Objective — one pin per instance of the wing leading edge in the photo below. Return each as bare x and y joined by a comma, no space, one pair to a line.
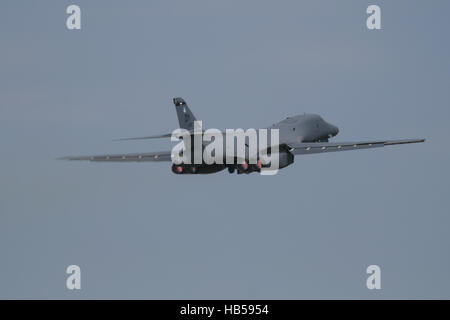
297,149
321,147
126,157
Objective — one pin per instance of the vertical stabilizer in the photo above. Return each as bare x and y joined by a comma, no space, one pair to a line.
185,116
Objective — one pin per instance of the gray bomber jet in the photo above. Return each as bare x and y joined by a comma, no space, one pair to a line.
298,135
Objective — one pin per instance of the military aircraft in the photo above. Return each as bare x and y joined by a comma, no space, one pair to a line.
298,135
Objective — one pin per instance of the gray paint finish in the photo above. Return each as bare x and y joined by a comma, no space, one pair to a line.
298,135
137,230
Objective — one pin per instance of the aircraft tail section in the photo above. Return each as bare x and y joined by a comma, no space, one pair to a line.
185,116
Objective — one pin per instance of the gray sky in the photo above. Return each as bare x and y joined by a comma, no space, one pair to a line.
139,231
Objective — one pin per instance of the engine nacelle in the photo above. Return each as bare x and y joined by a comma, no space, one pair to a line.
285,158
196,168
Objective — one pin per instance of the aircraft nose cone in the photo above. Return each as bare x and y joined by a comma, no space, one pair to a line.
335,130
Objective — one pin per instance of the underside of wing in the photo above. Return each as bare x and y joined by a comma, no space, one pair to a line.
127,157
321,147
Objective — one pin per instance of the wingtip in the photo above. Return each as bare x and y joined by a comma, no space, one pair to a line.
407,141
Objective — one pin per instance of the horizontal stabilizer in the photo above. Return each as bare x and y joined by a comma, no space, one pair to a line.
166,135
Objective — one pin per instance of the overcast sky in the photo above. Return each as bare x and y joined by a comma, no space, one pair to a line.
139,231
